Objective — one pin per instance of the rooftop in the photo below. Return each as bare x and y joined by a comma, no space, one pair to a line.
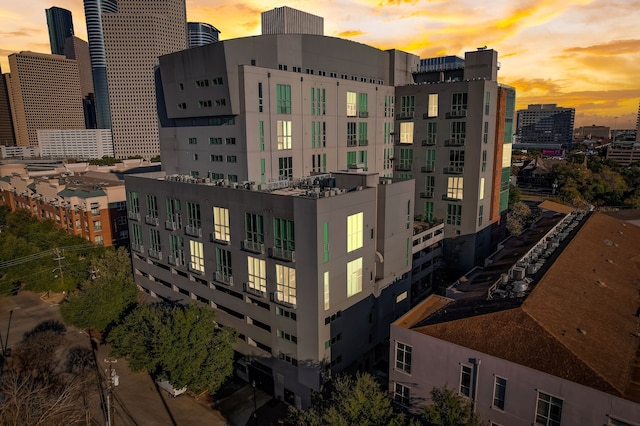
578,322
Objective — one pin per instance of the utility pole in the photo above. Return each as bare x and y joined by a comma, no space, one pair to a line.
59,258
112,380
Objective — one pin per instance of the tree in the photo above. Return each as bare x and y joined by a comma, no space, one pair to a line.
449,409
104,298
349,401
181,344
515,194
518,217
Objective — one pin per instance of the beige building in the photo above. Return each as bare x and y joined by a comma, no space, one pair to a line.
134,37
45,94
78,49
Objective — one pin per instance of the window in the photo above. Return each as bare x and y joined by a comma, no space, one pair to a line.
261,135
407,106
480,215
154,241
152,206
481,189
136,235
318,101
459,104
499,391
254,227
454,214
283,93
428,211
354,277
193,215
318,134
487,103
549,410
326,290
134,202
406,159
284,137
176,246
193,141
362,105
388,158
403,357
174,220
230,141
285,167
454,188
216,158
456,161
215,141
257,274
362,159
430,163
458,132
263,168
363,140
406,132
221,224
260,106
387,130
429,186
465,380
402,394
485,132
195,157
484,161
197,256
354,231
388,106
202,83
223,265
286,284
286,336
433,105
351,134
283,231
351,158
182,105
432,133
204,104
352,104
232,159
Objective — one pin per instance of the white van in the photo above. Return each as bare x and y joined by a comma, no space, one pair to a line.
167,387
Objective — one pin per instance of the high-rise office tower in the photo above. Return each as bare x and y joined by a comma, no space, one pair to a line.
45,94
131,59
93,10
453,136
201,33
78,49
7,137
285,20
638,124
60,25
543,125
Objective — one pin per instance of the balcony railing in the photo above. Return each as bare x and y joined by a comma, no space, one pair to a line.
224,278
450,197
428,142
253,246
454,142
427,169
175,261
453,170
352,142
151,220
195,270
461,113
404,167
284,254
426,194
405,115
137,247
156,254
213,239
133,215
194,231
363,114
170,225
363,142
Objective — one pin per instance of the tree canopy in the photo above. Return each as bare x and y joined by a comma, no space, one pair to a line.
103,298
181,344
449,409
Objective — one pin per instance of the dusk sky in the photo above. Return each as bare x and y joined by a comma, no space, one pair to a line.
575,53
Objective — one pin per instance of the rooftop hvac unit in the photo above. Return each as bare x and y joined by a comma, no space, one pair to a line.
518,273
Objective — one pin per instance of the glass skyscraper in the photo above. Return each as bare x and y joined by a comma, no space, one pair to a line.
201,33
60,26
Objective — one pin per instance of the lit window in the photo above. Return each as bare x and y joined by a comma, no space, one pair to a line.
351,104
481,190
354,277
221,224
286,284
354,231
454,188
197,256
257,274
326,291
406,132
433,105
284,134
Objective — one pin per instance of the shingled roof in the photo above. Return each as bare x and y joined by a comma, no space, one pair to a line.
581,320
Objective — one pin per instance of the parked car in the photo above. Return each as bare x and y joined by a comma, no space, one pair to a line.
166,386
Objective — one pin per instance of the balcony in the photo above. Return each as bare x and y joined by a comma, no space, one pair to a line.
283,254
194,231
170,225
133,215
428,142
363,142
277,297
213,239
151,220
451,197
461,113
224,278
454,142
406,167
247,288
406,115
427,169
453,170
253,246
363,114
175,261
137,247
156,254
427,195
352,142
196,270
426,116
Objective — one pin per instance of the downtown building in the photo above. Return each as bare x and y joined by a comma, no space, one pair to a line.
545,126
453,135
201,33
60,26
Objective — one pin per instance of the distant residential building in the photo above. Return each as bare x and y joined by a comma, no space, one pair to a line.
545,125
60,24
45,94
546,333
130,68
93,10
19,152
624,152
201,33
591,132
7,136
452,134
286,20
79,144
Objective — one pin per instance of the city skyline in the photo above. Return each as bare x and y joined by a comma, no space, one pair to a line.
583,54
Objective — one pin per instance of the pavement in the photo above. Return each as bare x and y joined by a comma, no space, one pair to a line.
136,399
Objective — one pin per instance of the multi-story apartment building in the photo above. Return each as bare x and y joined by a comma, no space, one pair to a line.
201,33
60,25
545,334
130,68
81,144
545,125
453,135
279,106
91,205
45,94
309,272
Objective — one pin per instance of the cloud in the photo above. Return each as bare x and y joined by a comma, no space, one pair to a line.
614,47
350,33
546,86
22,32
